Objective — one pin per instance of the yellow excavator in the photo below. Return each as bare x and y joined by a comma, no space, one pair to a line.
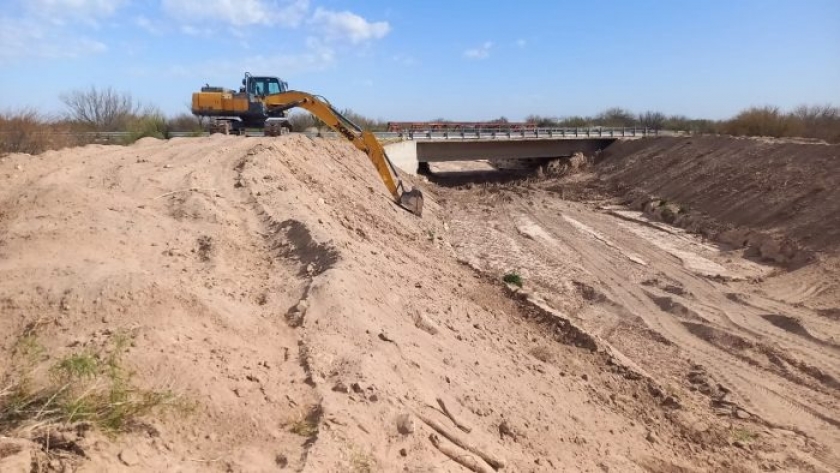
262,103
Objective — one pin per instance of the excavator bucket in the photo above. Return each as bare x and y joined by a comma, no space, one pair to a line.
412,201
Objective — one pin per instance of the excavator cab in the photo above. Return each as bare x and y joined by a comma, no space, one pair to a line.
262,86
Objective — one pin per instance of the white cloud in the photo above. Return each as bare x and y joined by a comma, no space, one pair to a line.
347,25
86,10
404,59
521,43
316,57
22,38
481,52
288,13
194,31
147,24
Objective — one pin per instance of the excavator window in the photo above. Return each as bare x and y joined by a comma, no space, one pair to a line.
274,86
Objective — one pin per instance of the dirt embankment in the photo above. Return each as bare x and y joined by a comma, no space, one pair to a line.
308,323
780,199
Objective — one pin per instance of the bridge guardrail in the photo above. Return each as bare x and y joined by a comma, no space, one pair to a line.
536,133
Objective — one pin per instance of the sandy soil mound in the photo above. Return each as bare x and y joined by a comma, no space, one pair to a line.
776,197
304,322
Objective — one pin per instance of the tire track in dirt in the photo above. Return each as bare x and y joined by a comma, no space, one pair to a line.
821,366
715,361
809,319
719,364
614,283
617,280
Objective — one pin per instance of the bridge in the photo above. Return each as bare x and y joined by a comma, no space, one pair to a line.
488,133
530,147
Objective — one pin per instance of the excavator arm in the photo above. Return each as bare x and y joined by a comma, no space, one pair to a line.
411,200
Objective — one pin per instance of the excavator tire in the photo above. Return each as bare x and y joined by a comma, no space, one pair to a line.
271,129
276,129
220,126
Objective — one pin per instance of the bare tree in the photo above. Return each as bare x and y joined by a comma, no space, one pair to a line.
101,109
541,121
185,122
652,120
302,121
616,116
576,121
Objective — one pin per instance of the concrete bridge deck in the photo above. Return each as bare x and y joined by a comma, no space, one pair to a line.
413,155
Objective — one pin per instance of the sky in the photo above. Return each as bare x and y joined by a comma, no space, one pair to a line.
421,60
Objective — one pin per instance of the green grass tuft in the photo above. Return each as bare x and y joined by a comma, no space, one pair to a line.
513,278
85,386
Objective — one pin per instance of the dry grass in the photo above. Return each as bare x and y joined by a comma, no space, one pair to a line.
360,461
26,131
744,435
304,428
818,122
307,423
93,387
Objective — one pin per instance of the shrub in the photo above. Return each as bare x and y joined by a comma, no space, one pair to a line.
759,121
575,122
185,122
616,116
26,131
152,123
513,278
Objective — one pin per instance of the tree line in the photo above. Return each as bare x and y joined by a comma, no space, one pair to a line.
806,121
106,109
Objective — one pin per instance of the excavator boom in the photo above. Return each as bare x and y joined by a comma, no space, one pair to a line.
411,200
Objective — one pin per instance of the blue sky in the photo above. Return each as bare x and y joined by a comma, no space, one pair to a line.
418,60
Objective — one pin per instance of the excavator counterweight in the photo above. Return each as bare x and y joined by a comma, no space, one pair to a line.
262,103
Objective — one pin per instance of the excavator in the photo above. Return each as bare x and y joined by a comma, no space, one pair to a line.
262,103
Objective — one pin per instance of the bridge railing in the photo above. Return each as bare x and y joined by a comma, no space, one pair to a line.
500,134
532,133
